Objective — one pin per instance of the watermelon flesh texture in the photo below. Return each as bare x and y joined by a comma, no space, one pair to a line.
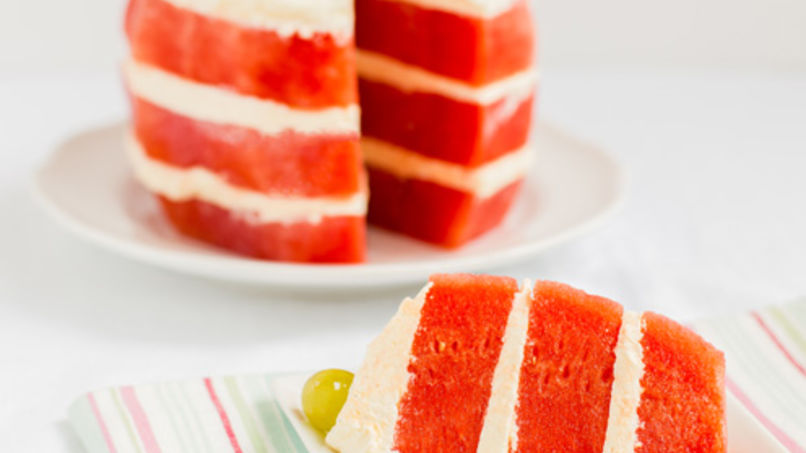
454,354
473,50
289,164
443,128
683,404
332,240
432,212
303,73
567,371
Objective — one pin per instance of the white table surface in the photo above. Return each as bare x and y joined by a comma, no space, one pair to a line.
715,223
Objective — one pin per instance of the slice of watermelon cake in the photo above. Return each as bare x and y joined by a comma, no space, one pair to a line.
246,123
475,364
447,89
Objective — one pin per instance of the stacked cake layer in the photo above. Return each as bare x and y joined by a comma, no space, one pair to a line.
475,364
447,88
246,123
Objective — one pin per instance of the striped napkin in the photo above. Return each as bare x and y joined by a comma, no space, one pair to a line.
239,414
766,368
765,350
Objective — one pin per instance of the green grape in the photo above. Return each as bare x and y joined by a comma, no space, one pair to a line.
323,397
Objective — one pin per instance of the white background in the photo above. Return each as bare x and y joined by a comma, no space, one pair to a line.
738,33
704,102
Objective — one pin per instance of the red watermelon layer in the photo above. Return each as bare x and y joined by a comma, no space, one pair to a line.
304,73
475,50
290,163
333,240
453,358
683,405
444,128
567,372
434,213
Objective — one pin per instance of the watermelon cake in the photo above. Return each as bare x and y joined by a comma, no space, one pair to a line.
447,88
246,119
246,123
477,364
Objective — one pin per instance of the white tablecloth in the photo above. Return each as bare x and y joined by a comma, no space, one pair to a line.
715,223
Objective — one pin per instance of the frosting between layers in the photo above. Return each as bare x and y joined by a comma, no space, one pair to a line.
217,105
405,77
287,18
623,421
368,419
499,431
197,183
484,9
484,181
366,423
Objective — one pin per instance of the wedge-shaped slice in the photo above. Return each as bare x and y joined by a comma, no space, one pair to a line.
475,365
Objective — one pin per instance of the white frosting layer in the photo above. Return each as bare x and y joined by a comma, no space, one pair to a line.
500,428
366,423
405,77
475,8
216,105
286,17
484,181
368,420
623,422
178,184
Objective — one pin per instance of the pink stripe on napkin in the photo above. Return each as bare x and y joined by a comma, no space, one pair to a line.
223,415
785,440
140,420
101,423
778,343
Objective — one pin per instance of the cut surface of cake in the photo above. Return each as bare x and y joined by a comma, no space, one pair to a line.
246,119
568,370
447,89
477,364
246,123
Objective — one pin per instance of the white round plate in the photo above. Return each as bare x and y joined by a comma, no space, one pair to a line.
87,186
